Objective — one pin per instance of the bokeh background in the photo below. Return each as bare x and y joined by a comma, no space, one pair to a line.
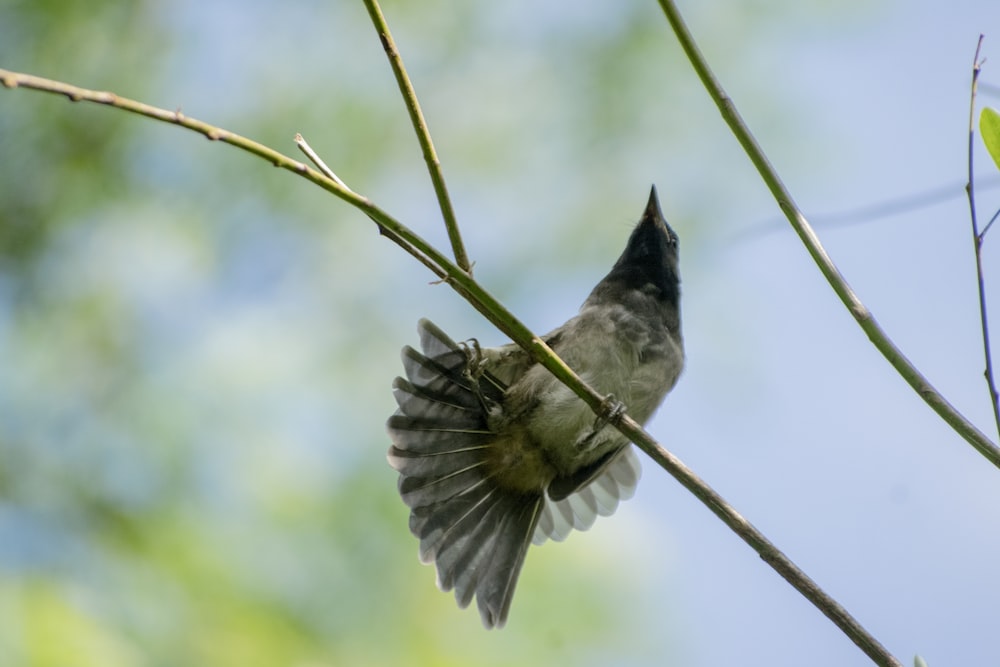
196,350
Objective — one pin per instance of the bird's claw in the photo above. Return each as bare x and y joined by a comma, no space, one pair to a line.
476,364
475,367
611,412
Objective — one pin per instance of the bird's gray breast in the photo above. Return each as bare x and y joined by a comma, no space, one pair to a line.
617,351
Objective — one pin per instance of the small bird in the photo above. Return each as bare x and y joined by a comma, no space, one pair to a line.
494,453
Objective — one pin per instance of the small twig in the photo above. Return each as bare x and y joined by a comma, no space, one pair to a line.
388,233
304,146
989,224
423,134
977,239
854,305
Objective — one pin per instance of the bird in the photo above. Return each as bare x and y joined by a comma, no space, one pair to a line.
494,453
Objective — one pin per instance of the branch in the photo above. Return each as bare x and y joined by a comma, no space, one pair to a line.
385,231
422,132
505,321
977,239
858,310
398,233
768,552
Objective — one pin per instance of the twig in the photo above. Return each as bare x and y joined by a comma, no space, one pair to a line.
854,305
989,224
385,231
423,134
505,321
304,146
977,239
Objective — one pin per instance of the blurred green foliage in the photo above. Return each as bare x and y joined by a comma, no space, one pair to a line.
197,350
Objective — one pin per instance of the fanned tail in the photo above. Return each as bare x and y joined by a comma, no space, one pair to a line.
474,531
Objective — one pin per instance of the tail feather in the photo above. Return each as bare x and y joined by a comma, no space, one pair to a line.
466,574
434,524
435,463
442,376
465,546
423,491
412,438
433,341
442,407
475,532
496,591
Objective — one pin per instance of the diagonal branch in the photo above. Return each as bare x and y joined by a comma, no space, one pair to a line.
422,132
505,321
768,552
401,235
858,310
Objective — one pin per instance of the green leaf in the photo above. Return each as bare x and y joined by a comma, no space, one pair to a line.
989,127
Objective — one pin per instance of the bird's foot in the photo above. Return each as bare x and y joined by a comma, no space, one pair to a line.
612,410
475,368
611,413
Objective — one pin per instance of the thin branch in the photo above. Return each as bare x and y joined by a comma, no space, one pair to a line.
854,305
977,239
422,132
388,233
768,552
989,224
505,321
406,239
400,234
304,146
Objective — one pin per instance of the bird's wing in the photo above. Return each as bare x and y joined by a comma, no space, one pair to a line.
579,510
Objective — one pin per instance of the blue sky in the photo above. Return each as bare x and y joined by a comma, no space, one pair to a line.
785,407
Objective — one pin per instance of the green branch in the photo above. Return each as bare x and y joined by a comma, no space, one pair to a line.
858,310
394,230
422,132
505,321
